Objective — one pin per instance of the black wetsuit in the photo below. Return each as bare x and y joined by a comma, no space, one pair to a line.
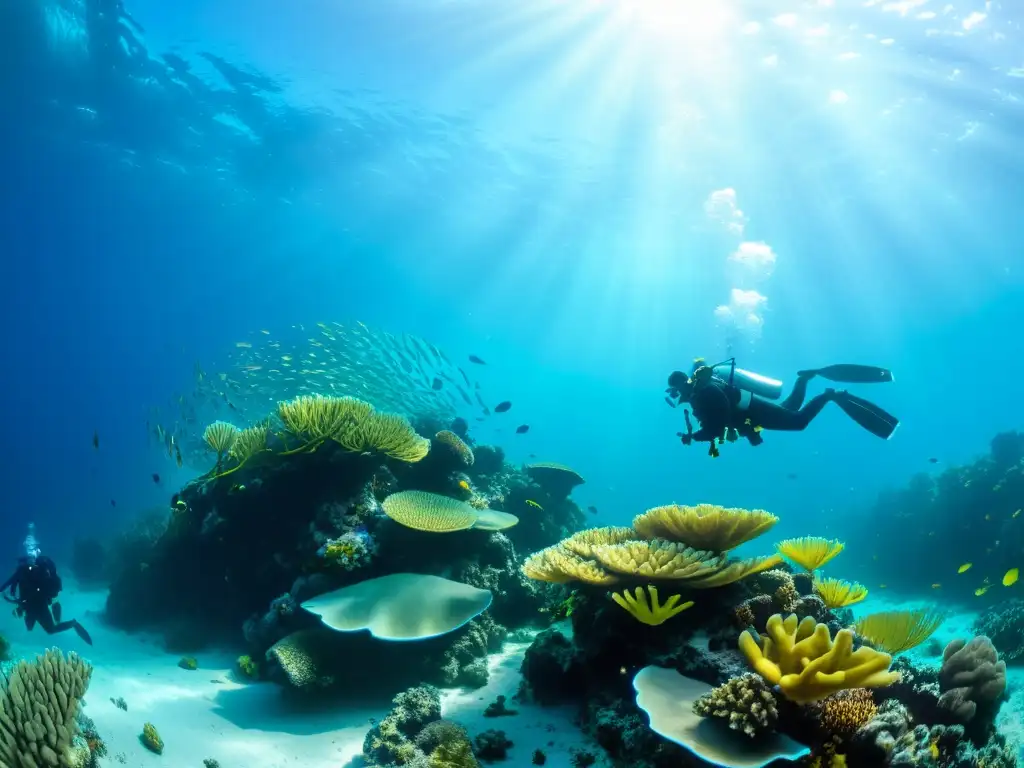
35,584
718,406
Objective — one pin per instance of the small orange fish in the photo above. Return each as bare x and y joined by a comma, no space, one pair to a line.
464,485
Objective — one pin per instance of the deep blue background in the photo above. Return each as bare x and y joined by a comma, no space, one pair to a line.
498,182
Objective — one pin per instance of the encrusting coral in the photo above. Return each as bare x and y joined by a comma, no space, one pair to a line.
651,613
898,631
808,665
746,702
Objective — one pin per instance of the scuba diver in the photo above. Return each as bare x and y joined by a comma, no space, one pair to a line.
34,585
730,402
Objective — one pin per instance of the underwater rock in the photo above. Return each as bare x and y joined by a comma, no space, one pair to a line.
875,740
972,681
492,745
551,672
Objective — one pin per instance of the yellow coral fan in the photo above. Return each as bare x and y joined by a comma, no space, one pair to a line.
836,593
807,665
220,436
735,570
898,631
845,712
457,445
705,526
810,552
582,543
559,566
651,613
315,418
353,424
389,434
250,441
429,512
658,559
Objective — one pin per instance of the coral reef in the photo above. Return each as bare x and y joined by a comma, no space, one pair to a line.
287,525
923,533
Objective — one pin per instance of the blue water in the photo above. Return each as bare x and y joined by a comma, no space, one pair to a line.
526,182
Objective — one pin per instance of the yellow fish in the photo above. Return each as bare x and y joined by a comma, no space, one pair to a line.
964,568
982,590
533,503
936,586
463,485
1010,577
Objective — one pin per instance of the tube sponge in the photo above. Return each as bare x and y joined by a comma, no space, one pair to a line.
39,703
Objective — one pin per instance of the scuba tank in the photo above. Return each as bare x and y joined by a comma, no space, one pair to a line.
748,381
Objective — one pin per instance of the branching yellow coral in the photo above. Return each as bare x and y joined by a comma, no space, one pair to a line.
705,526
836,593
807,665
898,631
651,613
457,446
810,552
220,436
559,566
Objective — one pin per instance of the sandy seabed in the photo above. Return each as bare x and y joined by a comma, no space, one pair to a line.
207,713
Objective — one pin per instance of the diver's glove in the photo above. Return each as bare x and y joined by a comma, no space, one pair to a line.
685,438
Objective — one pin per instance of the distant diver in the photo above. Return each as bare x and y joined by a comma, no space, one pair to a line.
34,585
730,402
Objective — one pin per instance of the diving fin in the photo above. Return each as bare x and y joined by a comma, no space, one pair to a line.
850,373
80,631
874,419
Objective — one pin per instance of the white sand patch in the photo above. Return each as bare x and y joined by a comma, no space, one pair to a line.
550,729
207,713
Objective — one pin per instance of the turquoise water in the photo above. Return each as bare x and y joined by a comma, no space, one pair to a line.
585,196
